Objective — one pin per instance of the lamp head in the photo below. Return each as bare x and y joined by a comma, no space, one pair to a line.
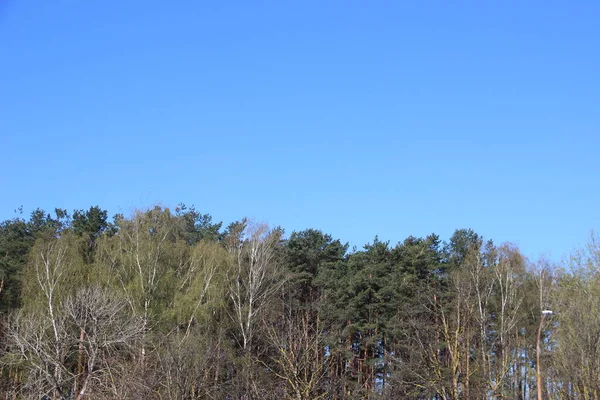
547,312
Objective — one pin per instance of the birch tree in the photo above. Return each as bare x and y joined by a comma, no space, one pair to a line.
63,338
140,261
253,277
576,354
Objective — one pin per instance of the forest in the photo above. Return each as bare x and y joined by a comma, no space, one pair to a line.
165,303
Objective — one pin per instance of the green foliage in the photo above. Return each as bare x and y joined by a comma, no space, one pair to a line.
196,226
243,312
54,270
576,335
202,286
142,260
89,225
15,242
308,254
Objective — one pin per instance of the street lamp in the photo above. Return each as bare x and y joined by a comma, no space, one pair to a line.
539,368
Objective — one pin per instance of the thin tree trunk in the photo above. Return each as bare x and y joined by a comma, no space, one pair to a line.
80,367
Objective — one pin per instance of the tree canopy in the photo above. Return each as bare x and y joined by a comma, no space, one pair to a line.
165,303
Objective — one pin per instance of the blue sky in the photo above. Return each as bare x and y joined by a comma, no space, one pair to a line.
357,118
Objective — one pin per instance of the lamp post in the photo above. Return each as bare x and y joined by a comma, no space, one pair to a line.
539,368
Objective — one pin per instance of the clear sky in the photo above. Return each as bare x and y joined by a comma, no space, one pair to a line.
359,118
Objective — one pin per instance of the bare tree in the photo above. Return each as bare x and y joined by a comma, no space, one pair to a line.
40,329
109,331
297,358
507,272
253,278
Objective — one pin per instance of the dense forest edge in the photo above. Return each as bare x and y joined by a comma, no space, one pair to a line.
167,304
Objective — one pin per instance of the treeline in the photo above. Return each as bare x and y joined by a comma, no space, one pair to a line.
167,304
